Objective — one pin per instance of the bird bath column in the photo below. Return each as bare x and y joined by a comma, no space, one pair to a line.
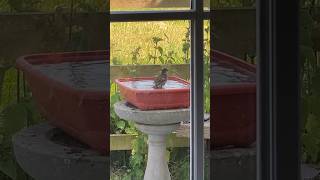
157,124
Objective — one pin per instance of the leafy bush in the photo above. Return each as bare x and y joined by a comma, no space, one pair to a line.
14,115
310,80
52,5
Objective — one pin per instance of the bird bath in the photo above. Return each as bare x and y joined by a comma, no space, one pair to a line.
157,124
141,93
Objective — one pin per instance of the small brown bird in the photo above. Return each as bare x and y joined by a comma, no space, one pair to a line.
161,80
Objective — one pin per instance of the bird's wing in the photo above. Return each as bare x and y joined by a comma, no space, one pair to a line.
156,78
163,78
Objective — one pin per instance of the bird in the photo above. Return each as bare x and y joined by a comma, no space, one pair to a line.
161,79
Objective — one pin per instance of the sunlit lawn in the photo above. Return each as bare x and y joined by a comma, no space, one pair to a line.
126,37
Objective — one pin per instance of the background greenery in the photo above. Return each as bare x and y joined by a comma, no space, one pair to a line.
310,79
18,6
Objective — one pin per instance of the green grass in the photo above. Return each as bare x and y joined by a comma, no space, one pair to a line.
126,37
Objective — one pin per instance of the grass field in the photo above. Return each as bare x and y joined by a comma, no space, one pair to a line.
126,37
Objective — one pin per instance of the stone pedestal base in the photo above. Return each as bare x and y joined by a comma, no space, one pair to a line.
157,166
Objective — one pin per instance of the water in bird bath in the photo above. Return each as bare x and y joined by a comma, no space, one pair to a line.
148,84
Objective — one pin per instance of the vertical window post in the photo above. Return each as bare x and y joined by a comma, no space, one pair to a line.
278,138
197,107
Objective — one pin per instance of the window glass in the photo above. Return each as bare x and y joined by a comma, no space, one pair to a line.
150,64
233,90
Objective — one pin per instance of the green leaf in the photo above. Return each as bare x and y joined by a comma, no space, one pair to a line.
305,26
161,60
33,115
2,73
14,118
167,155
139,173
311,145
160,49
316,85
114,98
128,177
121,124
9,88
156,39
138,158
307,53
313,125
313,103
311,139
304,111
9,168
130,131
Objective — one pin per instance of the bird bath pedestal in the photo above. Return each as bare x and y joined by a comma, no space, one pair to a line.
157,124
